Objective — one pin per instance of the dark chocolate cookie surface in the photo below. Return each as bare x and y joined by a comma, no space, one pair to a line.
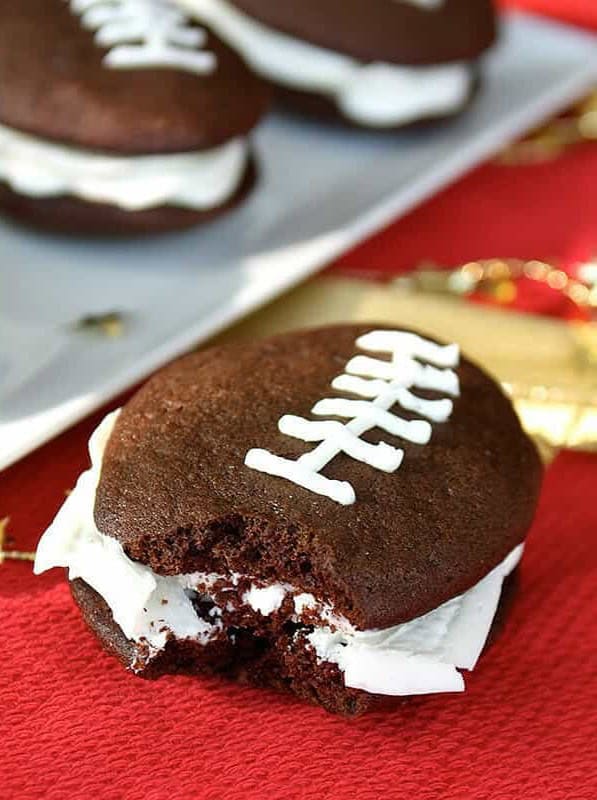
175,491
396,31
54,85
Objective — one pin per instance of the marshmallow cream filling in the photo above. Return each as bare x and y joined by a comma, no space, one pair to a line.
376,94
199,180
418,657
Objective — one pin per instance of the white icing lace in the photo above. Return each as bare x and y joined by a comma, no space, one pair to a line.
144,34
383,384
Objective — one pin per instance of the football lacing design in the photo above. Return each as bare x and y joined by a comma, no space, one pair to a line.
382,385
144,34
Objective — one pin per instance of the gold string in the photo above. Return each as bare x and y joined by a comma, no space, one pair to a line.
496,277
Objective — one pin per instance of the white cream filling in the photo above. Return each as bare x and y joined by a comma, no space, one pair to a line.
421,656
377,94
418,657
266,599
199,180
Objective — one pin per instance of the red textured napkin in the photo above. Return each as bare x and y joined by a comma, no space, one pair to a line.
73,724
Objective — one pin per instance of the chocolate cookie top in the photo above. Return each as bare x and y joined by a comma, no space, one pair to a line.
176,492
125,77
396,31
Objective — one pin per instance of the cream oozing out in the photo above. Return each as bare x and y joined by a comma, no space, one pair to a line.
418,657
376,95
147,607
198,180
425,655
142,34
383,384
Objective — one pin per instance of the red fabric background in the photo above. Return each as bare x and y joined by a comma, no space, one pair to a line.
544,211
73,724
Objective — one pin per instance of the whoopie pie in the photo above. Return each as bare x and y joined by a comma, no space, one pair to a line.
121,116
331,512
380,64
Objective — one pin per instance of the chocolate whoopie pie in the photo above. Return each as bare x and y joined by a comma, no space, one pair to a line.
120,116
372,63
332,512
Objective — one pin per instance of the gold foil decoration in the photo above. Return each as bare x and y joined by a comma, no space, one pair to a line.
496,277
556,136
549,367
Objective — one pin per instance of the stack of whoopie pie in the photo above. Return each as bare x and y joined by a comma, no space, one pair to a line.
332,512
120,116
376,64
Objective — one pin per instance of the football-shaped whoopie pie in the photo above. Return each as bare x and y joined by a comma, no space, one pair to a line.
333,512
120,116
372,63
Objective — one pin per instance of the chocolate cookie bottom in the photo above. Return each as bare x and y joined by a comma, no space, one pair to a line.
266,655
66,214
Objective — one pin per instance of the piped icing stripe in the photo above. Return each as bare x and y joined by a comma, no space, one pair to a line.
384,384
143,34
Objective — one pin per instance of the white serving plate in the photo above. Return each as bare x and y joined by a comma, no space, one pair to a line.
322,191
